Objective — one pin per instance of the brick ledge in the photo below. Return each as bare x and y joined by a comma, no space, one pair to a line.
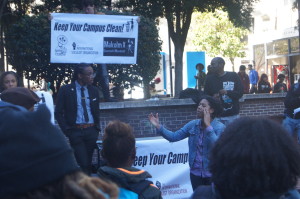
177,102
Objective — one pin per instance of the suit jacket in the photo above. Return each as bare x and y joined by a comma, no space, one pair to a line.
66,106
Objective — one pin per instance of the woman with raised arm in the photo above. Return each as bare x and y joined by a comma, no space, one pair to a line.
202,134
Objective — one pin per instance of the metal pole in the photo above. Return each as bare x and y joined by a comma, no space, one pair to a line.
170,63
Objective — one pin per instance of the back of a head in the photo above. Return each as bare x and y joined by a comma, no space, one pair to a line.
118,144
33,151
242,67
280,76
252,157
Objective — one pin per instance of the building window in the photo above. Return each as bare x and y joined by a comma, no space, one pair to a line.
295,45
259,57
279,47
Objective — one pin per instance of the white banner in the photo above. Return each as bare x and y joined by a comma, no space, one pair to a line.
46,98
88,38
168,164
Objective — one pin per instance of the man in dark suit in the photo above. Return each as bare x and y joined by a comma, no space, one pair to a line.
77,113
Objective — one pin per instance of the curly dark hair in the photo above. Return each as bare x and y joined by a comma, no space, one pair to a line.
118,144
201,66
214,104
254,156
3,75
79,69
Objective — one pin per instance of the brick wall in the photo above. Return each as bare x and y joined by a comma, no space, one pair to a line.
172,117
262,107
174,113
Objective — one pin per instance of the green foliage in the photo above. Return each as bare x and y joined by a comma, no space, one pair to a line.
148,58
68,6
217,35
28,51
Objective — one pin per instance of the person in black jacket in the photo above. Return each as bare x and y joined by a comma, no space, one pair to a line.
37,162
280,87
77,113
264,85
292,110
226,87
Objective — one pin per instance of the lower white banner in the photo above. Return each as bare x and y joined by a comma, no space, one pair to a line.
168,164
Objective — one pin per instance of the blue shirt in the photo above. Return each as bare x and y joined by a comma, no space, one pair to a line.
80,117
253,76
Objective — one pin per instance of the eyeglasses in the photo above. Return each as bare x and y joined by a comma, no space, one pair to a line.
92,75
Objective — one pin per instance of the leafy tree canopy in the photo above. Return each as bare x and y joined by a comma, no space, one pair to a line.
148,58
215,34
178,14
28,51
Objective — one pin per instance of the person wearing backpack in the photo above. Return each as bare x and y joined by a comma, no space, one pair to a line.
119,151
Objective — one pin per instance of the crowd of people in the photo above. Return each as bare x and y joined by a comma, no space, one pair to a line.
252,83
229,156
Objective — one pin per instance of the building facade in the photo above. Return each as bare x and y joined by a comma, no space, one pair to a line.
274,40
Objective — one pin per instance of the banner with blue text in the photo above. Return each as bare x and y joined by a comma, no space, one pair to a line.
168,164
88,38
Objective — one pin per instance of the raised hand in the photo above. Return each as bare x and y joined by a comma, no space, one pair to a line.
207,117
154,120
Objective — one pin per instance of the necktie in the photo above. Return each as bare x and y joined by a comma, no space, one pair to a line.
86,117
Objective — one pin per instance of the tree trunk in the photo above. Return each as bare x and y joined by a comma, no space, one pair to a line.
20,76
146,90
2,67
232,62
178,54
178,26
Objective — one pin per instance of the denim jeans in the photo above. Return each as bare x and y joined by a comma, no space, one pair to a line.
292,126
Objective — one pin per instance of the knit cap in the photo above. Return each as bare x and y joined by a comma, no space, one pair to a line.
20,96
33,152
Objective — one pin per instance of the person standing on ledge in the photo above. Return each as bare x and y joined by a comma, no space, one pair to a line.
200,77
253,76
101,74
244,78
280,87
292,111
77,113
226,87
